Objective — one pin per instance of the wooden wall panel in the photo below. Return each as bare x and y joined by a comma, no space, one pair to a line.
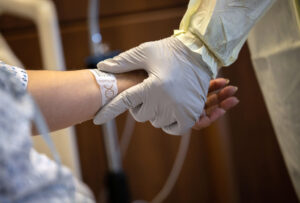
70,11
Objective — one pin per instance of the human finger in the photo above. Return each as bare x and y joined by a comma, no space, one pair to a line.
215,98
217,84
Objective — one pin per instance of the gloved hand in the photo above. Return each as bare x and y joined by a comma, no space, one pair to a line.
172,97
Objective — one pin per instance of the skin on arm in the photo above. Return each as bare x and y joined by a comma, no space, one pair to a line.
70,97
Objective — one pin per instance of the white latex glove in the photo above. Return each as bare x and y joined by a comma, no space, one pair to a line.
172,97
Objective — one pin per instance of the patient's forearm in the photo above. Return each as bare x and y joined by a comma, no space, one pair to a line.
70,97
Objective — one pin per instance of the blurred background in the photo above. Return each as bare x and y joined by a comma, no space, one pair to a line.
237,159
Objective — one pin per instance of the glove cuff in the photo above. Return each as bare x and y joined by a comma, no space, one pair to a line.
197,46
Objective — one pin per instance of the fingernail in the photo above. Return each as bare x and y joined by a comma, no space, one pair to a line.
235,88
227,81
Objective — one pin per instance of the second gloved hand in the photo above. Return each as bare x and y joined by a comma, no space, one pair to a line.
172,97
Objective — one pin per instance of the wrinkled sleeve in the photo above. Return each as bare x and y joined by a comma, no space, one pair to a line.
217,29
18,73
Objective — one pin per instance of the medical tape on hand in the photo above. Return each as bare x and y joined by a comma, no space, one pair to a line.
108,85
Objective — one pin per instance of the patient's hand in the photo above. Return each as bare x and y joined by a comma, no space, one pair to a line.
220,96
220,99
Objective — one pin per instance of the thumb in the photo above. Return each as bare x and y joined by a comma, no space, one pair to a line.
130,98
130,60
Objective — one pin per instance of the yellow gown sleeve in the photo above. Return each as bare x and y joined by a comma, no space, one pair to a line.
217,29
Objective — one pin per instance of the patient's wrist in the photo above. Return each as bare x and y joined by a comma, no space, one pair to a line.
127,80
113,84
108,85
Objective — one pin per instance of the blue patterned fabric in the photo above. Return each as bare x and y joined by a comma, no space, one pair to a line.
25,175
18,73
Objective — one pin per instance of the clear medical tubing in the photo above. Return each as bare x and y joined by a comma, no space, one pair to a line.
275,50
43,130
175,171
127,134
172,178
96,45
93,22
109,129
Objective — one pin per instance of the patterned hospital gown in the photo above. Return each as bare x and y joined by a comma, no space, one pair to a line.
25,175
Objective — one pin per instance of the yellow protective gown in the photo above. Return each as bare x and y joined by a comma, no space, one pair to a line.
275,50
217,29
